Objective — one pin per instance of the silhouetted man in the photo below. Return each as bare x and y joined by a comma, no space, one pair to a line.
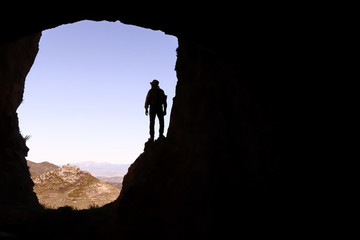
156,99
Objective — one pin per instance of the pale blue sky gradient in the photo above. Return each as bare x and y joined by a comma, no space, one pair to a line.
84,96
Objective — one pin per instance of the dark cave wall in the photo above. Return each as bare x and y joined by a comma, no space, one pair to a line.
16,59
224,133
218,171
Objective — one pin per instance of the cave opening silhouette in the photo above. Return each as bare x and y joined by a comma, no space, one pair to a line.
219,172
104,70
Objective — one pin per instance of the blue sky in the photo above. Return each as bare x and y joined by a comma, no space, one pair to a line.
84,96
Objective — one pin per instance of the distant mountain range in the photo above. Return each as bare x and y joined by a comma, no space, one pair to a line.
116,181
103,169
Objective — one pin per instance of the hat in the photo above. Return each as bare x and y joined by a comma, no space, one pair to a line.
156,82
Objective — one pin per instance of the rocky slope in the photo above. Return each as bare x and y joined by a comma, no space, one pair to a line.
69,186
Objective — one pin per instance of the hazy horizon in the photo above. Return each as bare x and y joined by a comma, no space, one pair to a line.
84,95
84,162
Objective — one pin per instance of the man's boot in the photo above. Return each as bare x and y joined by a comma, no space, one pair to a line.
161,136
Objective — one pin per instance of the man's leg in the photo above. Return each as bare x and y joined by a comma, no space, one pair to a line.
152,124
160,115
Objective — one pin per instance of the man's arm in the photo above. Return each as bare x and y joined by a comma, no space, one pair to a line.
147,104
165,104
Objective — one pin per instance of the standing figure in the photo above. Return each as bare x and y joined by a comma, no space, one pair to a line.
156,99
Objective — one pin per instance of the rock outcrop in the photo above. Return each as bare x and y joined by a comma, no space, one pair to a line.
69,186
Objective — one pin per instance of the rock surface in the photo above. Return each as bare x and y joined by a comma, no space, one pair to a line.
69,186
16,59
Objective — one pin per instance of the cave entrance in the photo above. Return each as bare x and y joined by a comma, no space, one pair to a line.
84,96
